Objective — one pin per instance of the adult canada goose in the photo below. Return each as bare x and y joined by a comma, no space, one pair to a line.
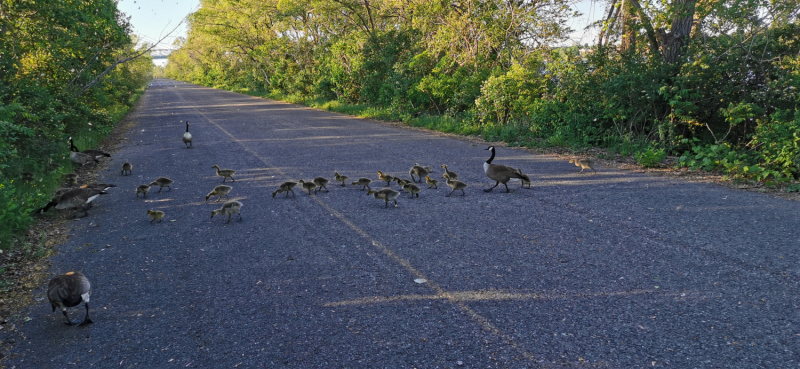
81,158
363,182
142,189
155,215
126,167
225,173
584,164
162,182
525,179
385,177
221,190
432,183
412,189
285,187
450,173
229,208
73,199
387,194
499,173
94,154
340,178
455,185
69,290
187,137
308,185
321,182
420,171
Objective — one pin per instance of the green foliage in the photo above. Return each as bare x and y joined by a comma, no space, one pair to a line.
58,78
651,157
726,97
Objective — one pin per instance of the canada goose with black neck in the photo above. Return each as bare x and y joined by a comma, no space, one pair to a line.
187,137
70,290
499,173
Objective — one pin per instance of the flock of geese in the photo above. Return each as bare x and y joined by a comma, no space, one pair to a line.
73,288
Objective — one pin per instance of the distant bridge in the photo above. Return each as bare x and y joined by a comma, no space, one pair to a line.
160,53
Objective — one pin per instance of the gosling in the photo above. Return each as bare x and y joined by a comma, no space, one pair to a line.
386,178
126,168
412,189
364,182
221,190
340,178
308,185
229,208
71,179
225,173
142,189
321,182
69,290
285,187
450,173
432,183
455,185
420,171
584,164
155,215
162,182
387,194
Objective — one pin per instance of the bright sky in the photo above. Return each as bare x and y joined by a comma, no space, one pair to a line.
154,19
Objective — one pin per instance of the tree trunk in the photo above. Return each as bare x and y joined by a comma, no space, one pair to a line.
672,43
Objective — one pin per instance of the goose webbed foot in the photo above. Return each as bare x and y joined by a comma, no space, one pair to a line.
86,319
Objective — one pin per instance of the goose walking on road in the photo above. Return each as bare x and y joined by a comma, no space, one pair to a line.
70,290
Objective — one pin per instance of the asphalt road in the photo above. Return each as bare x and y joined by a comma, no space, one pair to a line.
617,270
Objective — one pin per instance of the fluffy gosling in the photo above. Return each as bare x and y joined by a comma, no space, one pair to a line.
224,173
432,183
126,168
386,178
412,189
584,164
321,182
155,215
386,194
285,187
308,185
340,178
363,182
450,173
420,171
455,185
221,190
162,182
142,189
229,208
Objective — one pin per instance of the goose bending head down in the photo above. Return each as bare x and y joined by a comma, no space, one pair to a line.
221,190
499,173
187,137
229,208
285,187
70,290
162,182
386,194
74,199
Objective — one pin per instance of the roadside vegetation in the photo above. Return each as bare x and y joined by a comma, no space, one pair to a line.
714,83
60,76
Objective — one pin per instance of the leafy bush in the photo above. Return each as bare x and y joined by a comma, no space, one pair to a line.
651,157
